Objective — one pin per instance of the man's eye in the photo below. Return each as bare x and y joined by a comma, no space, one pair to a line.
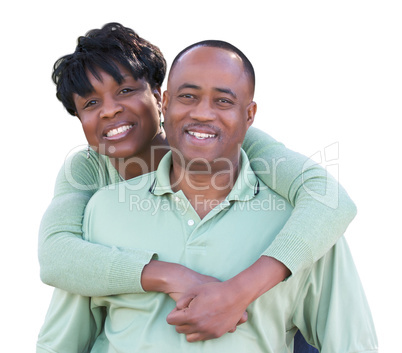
225,101
186,96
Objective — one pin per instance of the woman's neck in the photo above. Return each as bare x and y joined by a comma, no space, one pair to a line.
144,162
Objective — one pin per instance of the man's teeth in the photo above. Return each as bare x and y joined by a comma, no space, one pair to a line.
119,130
200,135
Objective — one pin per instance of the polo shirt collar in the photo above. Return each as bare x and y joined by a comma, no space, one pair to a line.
247,184
245,188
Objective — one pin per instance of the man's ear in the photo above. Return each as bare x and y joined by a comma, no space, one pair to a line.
165,102
251,111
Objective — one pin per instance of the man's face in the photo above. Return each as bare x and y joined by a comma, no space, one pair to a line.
208,105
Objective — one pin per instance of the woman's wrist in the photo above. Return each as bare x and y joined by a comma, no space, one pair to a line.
168,277
159,276
259,278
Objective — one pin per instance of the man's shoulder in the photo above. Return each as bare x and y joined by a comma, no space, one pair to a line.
122,190
269,200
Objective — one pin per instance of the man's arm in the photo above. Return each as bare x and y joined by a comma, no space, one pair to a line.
332,312
70,326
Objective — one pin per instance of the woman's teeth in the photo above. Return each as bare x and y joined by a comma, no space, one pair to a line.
119,130
200,135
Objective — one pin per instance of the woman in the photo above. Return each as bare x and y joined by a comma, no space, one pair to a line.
112,84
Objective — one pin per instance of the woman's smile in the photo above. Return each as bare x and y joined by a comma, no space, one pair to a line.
118,132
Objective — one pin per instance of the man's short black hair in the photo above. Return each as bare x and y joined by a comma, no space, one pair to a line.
248,67
104,49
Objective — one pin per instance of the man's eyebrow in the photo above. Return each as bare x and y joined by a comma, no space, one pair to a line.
217,89
188,85
226,90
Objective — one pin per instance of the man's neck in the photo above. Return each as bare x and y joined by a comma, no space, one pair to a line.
205,189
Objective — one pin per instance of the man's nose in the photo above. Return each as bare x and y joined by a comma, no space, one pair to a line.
203,111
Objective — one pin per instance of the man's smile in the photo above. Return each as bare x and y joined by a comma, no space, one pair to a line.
201,135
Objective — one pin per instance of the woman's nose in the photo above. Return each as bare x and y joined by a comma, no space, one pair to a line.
110,107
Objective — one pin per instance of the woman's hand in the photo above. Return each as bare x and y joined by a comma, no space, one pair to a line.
171,278
205,308
208,311
185,280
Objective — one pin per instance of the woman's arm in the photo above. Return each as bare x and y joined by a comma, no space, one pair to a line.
66,260
322,208
322,212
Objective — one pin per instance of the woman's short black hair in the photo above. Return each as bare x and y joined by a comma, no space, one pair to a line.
102,49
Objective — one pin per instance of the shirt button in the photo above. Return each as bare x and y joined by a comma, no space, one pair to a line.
177,199
190,222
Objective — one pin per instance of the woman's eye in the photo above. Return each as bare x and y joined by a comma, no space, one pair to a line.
90,103
126,90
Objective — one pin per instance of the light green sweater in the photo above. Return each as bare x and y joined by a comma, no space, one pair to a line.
70,263
326,301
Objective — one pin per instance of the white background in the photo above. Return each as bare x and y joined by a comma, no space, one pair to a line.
327,72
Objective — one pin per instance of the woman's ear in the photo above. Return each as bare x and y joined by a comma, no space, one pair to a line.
157,92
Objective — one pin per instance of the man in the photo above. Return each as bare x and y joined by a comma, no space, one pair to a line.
197,210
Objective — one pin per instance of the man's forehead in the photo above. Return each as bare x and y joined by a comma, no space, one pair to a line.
205,54
204,62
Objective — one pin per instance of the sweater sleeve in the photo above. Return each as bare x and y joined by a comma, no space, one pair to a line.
322,208
66,260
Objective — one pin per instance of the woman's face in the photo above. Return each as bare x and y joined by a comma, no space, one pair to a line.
119,120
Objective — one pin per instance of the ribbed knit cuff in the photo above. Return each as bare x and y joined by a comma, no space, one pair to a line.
292,251
125,272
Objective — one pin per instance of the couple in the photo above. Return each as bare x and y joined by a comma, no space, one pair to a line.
212,262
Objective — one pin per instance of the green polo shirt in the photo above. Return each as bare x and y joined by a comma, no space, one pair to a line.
326,302
144,213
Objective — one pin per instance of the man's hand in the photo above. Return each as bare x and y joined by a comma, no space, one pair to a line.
208,311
